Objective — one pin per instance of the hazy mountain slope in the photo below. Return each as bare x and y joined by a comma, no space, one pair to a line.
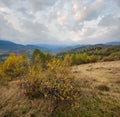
54,49
10,46
113,43
99,49
13,47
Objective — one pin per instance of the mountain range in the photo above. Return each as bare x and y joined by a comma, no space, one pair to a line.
13,47
8,46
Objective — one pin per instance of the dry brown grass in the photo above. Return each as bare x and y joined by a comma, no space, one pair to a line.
94,100
13,103
100,75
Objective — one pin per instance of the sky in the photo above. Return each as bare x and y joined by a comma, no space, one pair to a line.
60,21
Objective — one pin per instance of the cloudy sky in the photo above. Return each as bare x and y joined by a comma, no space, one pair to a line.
60,21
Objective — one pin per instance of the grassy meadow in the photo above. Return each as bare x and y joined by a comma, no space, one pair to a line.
47,86
100,95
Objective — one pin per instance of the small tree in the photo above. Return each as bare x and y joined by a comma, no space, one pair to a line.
37,56
40,57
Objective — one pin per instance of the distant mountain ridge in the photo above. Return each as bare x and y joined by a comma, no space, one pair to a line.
10,46
113,43
108,46
13,47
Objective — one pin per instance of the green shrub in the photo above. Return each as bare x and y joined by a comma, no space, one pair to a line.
116,55
80,58
40,57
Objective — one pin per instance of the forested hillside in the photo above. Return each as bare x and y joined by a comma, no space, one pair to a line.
91,54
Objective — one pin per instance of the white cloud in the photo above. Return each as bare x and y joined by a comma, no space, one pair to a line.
60,21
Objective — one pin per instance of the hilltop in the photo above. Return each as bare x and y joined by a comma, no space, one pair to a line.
100,95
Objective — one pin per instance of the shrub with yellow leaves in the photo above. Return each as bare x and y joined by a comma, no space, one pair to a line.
3,78
56,82
15,65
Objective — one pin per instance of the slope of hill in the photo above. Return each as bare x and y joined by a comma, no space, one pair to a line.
100,95
10,46
7,47
113,43
99,49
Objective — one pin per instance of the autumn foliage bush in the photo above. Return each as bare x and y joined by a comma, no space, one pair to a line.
56,82
15,65
3,78
43,76
80,58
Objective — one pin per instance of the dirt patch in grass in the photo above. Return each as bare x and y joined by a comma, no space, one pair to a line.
103,87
